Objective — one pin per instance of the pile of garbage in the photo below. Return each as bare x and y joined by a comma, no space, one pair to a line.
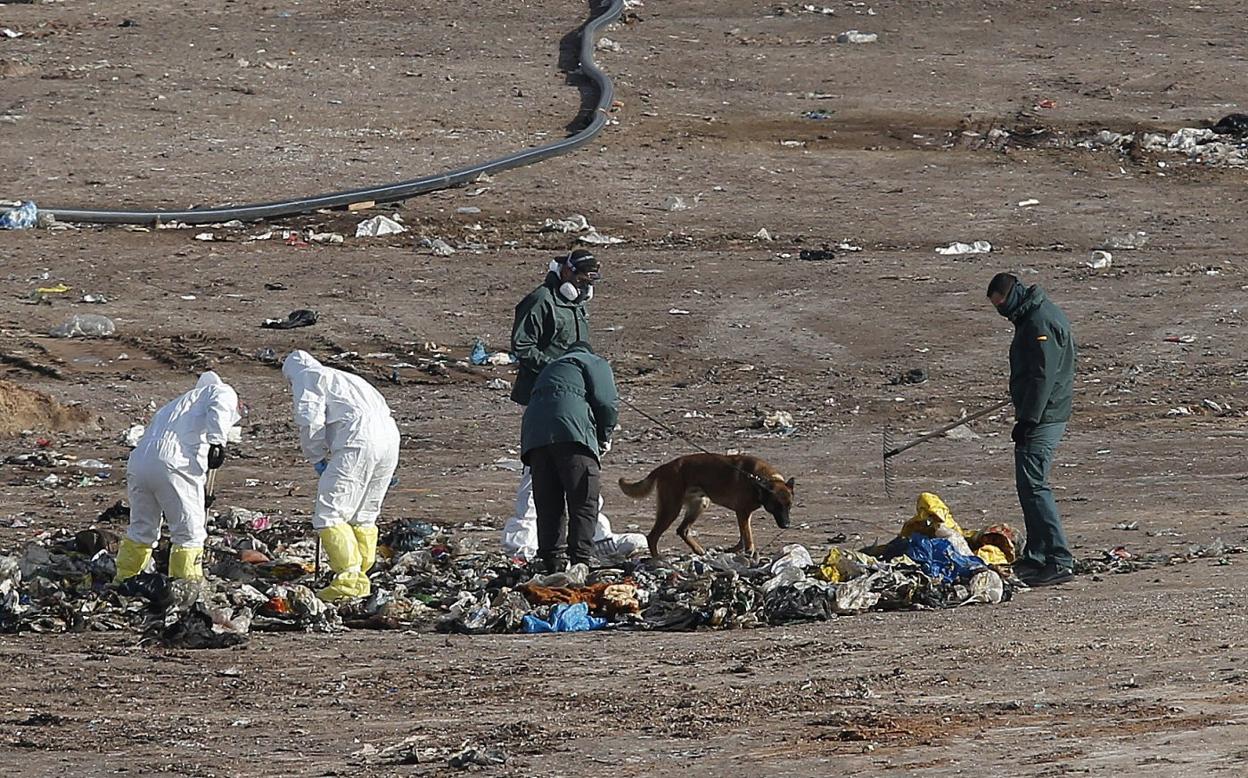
262,576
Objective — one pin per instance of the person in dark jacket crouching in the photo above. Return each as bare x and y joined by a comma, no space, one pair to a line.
567,428
1042,377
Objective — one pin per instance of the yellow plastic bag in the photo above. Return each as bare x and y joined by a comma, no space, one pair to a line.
934,519
992,555
843,565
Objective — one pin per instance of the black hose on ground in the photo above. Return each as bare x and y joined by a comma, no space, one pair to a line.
387,192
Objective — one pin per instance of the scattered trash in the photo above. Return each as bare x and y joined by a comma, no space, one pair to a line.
593,238
853,36
678,312
762,234
498,384
472,756
774,420
1233,124
959,249
333,238
437,247
481,356
564,618
1046,103
817,255
1027,203
1127,525
573,223
1101,260
10,33
85,325
468,210
1180,339
297,318
818,115
378,226
94,299
606,44
132,436
1182,410
206,236
1127,241
22,217
913,376
675,203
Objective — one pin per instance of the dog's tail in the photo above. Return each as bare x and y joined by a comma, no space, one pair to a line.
638,489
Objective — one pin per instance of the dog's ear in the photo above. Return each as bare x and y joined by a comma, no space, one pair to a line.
790,483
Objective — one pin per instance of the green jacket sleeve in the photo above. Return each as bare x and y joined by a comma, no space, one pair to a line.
1042,356
603,398
533,317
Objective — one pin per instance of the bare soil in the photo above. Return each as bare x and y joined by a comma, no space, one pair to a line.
1134,674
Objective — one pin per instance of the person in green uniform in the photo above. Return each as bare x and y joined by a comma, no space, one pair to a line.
1042,375
567,427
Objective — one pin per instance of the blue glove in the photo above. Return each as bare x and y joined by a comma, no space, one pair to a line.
320,467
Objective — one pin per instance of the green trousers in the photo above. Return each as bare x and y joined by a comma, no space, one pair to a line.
1033,458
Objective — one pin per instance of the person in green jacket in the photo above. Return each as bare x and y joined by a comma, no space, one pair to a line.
1042,377
567,428
551,318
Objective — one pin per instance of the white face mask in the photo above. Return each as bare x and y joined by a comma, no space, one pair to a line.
570,292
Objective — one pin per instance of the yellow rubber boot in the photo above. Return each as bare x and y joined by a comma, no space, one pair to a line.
366,540
184,562
345,560
132,558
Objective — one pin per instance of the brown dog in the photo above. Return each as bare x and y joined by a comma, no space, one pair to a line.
739,482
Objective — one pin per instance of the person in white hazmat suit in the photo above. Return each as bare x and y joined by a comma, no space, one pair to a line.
166,473
346,431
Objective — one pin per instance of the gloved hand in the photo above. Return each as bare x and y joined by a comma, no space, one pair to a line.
320,467
1022,430
216,456
604,446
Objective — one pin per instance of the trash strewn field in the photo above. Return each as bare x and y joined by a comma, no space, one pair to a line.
1080,147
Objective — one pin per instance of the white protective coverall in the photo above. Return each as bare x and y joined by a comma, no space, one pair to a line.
344,422
166,474
520,531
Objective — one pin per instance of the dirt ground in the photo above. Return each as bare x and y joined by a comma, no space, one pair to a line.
225,101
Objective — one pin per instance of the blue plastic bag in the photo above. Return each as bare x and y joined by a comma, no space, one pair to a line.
565,618
939,560
481,356
21,218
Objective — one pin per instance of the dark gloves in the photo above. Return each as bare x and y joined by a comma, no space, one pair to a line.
209,499
1022,430
216,456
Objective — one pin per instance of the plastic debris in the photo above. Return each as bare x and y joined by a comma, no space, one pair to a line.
378,226
1128,241
853,36
960,249
295,319
22,217
438,247
1101,260
482,356
762,234
85,325
774,420
606,44
573,223
594,238
564,618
